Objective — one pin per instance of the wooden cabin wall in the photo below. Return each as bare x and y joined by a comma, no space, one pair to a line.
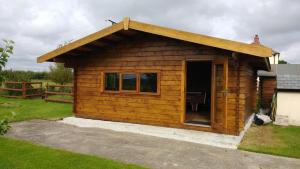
267,89
242,94
219,99
248,92
167,56
233,97
145,53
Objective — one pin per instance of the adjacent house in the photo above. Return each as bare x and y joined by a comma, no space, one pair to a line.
284,81
141,73
267,87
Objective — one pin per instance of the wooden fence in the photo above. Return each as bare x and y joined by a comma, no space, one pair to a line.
23,90
50,91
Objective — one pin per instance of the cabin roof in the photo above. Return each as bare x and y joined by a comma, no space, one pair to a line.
92,40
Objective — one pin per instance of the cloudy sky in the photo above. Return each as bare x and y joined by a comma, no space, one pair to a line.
38,26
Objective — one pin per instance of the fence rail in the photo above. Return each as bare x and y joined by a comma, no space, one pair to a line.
22,91
60,92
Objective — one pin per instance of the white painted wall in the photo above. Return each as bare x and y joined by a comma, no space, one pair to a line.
274,59
288,105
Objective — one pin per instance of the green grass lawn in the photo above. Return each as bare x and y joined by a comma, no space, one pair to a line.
15,154
26,109
273,139
61,97
45,82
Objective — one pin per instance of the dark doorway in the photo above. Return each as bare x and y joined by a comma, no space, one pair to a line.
198,92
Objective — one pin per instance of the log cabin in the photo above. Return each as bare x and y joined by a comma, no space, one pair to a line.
146,74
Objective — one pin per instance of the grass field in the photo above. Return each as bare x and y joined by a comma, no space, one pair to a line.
61,97
273,139
15,154
45,82
26,109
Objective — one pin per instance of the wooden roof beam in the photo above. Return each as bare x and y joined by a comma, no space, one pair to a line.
73,45
59,59
113,37
127,34
100,43
72,54
255,50
127,25
85,49
126,22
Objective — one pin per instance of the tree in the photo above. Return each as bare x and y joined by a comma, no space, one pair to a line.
5,51
59,74
282,62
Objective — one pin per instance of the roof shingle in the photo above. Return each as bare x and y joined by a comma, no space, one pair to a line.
287,75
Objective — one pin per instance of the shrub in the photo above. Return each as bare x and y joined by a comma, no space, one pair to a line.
6,49
59,74
21,76
4,123
14,86
4,126
17,75
40,75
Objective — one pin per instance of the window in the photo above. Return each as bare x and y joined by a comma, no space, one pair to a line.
112,81
129,81
133,82
148,82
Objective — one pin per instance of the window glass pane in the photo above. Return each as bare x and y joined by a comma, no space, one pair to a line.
129,81
148,82
112,81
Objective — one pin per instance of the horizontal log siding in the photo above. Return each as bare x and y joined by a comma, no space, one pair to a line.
232,96
251,83
248,92
242,94
147,53
267,89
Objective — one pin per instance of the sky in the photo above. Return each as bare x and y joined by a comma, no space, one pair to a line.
39,26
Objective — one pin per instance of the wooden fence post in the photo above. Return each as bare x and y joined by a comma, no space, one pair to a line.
24,90
41,89
46,92
59,92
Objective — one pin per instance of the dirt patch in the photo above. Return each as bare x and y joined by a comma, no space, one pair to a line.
261,136
9,105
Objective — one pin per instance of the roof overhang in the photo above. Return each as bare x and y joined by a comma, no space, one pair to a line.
268,64
127,24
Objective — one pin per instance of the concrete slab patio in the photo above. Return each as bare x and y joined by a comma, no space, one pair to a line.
207,138
149,151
